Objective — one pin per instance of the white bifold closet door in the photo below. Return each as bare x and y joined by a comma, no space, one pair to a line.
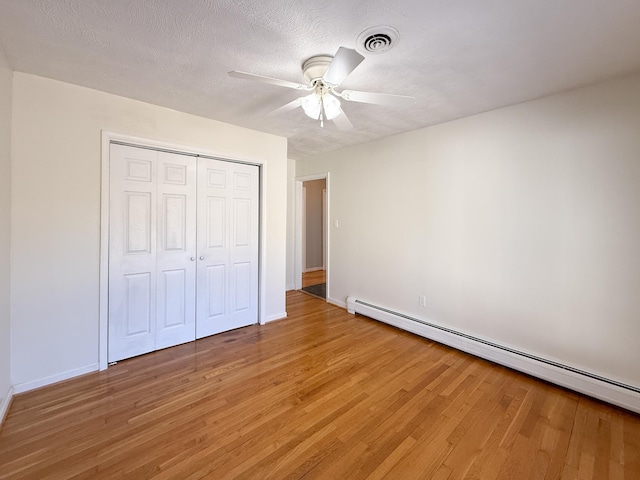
183,249
227,246
152,250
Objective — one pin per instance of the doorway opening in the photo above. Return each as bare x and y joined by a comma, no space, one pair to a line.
312,260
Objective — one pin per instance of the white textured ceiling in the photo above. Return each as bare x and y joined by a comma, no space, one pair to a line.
457,57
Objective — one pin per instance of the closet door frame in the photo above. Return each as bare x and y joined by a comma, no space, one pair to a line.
112,137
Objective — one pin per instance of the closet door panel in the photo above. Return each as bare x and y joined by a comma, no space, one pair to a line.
241,280
227,246
152,250
212,275
216,291
132,252
243,254
176,258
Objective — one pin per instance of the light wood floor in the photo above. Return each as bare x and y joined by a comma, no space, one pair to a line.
322,394
314,278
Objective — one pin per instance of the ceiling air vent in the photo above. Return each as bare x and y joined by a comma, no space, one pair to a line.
377,39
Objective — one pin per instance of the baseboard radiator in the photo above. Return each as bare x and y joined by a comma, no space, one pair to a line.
608,390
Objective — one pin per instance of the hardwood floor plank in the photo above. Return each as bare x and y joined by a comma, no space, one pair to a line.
555,441
631,447
321,394
392,459
314,278
490,459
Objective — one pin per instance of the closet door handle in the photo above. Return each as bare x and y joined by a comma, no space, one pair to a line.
193,259
202,257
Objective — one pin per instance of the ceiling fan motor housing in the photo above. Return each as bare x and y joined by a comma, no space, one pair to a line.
313,69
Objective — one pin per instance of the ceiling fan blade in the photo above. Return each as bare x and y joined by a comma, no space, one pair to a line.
344,62
342,121
378,98
287,107
272,81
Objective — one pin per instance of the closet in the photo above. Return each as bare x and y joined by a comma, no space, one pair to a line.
183,248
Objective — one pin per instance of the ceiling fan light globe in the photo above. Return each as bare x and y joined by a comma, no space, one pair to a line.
311,105
331,106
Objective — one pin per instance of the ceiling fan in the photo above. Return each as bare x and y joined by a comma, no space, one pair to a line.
324,74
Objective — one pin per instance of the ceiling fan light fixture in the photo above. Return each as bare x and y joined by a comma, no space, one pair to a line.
311,106
325,73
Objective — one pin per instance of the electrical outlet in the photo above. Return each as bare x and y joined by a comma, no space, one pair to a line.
422,300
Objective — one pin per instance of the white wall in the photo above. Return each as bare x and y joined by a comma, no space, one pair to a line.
520,225
291,219
56,213
6,79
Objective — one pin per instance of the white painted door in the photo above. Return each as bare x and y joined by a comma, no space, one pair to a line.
176,250
152,250
227,275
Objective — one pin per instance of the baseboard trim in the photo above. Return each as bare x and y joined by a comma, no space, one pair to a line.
5,405
313,269
59,377
608,390
337,303
288,288
277,316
